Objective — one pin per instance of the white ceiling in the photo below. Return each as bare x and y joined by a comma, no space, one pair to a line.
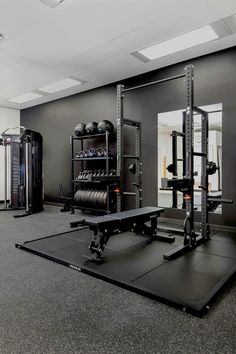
92,40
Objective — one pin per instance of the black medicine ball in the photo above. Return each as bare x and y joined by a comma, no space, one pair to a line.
91,128
105,126
80,129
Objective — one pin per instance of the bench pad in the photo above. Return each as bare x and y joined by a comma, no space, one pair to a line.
118,219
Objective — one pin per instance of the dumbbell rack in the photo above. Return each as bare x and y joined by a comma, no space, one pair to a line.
106,181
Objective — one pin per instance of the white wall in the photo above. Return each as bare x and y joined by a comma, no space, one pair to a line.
8,118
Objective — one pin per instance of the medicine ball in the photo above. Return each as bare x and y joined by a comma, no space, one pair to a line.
91,128
80,129
105,126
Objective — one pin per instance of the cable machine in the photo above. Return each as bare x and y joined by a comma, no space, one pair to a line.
23,180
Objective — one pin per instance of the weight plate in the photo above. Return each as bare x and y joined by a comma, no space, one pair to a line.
101,200
96,199
90,203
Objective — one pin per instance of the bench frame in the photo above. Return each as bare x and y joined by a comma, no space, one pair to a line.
106,226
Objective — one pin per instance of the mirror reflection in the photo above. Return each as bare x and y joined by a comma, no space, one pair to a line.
171,155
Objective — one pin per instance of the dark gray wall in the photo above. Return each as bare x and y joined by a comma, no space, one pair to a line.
56,121
215,82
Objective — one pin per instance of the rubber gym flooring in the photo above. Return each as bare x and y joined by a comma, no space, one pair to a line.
47,308
133,262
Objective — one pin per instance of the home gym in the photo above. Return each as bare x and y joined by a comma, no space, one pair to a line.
117,187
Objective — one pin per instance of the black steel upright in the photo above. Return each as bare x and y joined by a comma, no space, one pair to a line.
121,123
189,173
175,168
120,161
205,228
204,183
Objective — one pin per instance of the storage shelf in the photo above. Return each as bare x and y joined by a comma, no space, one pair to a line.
99,179
84,181
103,181
113,178
89,136
169,191
92,158
90,209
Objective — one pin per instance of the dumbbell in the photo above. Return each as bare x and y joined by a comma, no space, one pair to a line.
86,153
112,173
101,152
88,173
81,154
79,176
85,175
98,173
92,152
103,173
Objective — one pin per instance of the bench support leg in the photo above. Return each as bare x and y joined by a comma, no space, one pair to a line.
153,233
98,244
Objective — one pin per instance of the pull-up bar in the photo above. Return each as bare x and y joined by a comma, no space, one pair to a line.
199,111
154,82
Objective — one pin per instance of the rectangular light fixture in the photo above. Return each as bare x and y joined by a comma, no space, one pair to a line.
60,85
184,41
51,3
29,96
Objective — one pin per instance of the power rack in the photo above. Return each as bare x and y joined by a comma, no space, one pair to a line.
185,184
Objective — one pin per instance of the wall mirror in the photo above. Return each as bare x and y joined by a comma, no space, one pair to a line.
171,123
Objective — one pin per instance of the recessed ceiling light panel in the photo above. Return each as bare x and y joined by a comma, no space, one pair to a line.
230,23
184,41
51,3
61,85
29,96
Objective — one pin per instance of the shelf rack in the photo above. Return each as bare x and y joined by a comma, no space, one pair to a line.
107,182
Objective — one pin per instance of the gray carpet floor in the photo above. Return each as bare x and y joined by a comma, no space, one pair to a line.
47,308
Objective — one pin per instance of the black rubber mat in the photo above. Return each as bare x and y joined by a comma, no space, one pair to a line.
133,262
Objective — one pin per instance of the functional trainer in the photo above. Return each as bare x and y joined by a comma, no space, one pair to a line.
132,220
23,170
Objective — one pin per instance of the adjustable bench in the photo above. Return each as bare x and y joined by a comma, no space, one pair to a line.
132,220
